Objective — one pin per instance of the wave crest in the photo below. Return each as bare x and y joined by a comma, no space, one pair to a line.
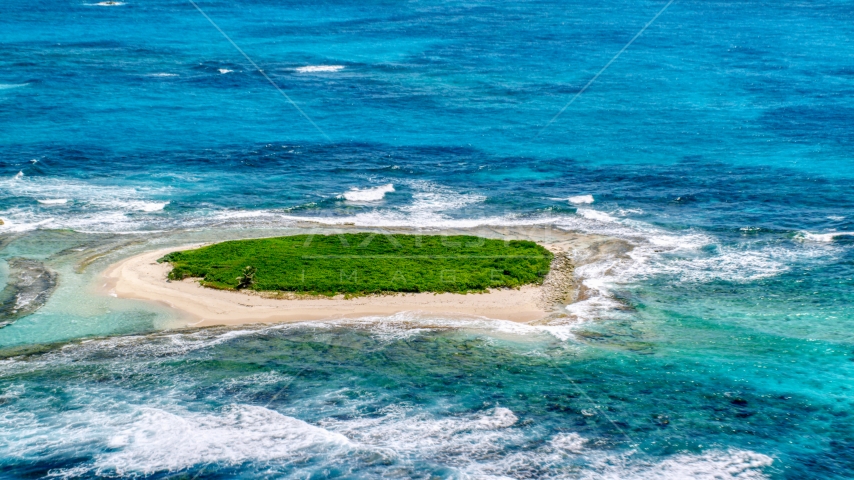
581,199
159,440
371,194
823,237
53,201
319,68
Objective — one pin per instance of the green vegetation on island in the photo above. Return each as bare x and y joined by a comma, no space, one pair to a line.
364,263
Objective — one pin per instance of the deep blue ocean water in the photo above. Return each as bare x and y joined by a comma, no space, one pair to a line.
720,145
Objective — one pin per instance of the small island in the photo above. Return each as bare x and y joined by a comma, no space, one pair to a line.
356,264
357,275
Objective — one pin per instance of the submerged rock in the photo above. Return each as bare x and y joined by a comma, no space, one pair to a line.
30,285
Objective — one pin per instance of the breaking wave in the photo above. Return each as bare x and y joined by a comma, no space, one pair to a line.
126,429
581,199
95,208
824,237
133,439
156,439
320,68
367,195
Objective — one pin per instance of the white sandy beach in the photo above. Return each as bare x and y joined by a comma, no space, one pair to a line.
141,277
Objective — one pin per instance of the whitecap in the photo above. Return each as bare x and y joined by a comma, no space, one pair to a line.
165,344
163,74
135,433
499,418
404,435
374,194
836,218
130,205
162,440
148,206
105,208
596,307
258,380
7,86
244,214
13,225
825,237
596,215
431,208
225,70
711,465
683,256
319,68
18,175
422,218
405,325
117,207
430,202
677,257
569,442
581,199
469,443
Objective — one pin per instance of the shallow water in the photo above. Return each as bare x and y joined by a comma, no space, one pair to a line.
718,146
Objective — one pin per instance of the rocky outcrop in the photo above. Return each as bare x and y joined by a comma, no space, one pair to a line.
559,286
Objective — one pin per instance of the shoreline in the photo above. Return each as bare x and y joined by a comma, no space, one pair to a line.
140,277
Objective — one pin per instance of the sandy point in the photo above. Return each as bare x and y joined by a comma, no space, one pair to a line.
141,277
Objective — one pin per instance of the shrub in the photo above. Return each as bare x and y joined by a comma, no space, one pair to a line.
364,263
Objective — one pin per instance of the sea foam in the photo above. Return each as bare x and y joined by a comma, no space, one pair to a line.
597,215
131,433
374,194
319,68
97,208
825,237
143,206
581,199
429,208
711,465
471,444
161,440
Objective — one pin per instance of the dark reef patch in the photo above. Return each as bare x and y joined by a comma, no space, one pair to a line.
30,285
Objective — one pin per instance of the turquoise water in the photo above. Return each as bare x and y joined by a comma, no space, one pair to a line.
718,145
